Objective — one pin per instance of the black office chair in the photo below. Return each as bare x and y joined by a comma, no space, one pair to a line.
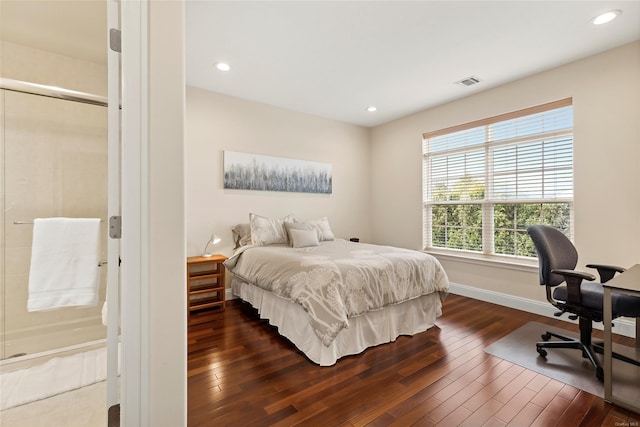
581,297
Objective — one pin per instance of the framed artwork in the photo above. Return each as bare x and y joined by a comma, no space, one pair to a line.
256,172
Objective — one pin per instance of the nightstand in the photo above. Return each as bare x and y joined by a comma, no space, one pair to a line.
205,284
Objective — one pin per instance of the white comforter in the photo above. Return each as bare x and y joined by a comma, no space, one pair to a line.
339,280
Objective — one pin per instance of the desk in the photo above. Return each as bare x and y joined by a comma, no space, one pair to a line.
628,283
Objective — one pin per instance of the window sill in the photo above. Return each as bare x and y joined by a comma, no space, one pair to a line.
512,263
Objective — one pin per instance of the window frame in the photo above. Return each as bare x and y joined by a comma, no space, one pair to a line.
488,202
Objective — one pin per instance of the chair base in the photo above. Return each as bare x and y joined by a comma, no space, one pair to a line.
589,350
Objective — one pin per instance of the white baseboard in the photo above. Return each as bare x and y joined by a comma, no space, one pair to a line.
624,327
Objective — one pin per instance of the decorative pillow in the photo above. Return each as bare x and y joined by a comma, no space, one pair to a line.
323,228
268,231
303,238
297,226
241,235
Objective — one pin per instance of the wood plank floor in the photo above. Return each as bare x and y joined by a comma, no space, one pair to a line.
242,373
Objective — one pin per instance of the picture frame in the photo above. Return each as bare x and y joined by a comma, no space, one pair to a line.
257,172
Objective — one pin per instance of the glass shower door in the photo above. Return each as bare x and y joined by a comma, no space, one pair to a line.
54,165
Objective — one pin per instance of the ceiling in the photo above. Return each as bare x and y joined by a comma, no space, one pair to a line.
336,58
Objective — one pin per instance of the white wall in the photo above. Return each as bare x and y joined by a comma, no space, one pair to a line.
153,272
167,332
217,122
606,98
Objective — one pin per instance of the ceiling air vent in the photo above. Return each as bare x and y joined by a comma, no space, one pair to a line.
469,81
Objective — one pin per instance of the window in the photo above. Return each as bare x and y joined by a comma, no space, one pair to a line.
486,181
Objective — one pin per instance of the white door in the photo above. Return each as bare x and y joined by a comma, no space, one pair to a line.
113,210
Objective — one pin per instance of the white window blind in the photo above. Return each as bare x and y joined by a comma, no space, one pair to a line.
486,181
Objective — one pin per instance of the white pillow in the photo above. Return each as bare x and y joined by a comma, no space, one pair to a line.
297,226
268,231
303,238
323,228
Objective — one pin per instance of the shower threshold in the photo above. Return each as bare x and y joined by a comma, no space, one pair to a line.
31,379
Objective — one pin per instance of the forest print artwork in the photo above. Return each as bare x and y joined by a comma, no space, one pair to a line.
256,172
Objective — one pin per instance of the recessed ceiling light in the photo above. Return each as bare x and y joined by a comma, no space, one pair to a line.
606,17
223,66
371,109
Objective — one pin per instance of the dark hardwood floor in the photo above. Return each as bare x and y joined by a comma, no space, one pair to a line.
242,373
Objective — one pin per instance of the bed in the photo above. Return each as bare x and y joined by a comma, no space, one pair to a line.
332,297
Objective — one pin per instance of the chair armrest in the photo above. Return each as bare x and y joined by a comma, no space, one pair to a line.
574,274
606,272
574,279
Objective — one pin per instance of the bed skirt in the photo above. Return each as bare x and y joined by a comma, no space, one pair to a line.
368,330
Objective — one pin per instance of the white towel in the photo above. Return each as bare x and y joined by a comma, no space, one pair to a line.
64,263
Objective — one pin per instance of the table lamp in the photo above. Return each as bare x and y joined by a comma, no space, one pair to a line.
214,240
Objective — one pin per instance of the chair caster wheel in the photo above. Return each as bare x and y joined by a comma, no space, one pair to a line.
546,337
542,352
600,374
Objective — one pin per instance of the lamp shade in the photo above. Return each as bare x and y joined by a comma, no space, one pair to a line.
214,240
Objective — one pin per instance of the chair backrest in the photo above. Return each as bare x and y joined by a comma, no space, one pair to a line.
555,251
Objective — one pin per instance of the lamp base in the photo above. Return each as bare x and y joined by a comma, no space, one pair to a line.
206,255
